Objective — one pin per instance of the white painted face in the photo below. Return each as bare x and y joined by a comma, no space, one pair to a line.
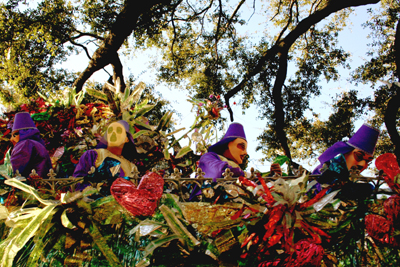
116,134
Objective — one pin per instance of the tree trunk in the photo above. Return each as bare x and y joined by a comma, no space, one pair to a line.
281,49
394,103
124,25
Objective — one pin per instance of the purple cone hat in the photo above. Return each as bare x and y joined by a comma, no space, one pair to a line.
23,121
364,139
234,131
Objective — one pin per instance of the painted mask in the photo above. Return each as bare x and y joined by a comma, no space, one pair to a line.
237,150
116,134
358,158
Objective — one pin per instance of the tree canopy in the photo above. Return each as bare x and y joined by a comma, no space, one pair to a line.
205,51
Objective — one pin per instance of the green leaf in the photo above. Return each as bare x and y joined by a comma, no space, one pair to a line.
79,97
176,131
183,151
97,94
143,110
37,251
137,92
101,243
137,122
158,243
167,155
141,132
65,221
165,120
177,227
24,187
281,159
126,95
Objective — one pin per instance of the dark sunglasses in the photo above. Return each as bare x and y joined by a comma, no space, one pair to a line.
360,156
14,134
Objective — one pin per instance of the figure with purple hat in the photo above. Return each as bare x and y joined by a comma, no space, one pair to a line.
112,160
229,152
337,161
29,152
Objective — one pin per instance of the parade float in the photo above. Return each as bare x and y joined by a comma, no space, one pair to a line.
258,220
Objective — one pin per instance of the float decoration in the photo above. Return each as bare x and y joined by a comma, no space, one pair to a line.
386,229
245,223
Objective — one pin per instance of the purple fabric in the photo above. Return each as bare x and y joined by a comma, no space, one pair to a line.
32,134
213,166
364,139
330,153
28,155
87,160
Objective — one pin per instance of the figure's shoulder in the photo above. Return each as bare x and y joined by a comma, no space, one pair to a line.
209,155
24,144
90,153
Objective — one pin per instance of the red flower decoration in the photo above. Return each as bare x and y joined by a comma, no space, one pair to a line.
388,163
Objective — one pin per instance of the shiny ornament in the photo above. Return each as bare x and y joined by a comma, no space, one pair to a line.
141,200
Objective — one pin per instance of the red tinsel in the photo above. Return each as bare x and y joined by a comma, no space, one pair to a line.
378,227
142,200
392,209
388,163
306,253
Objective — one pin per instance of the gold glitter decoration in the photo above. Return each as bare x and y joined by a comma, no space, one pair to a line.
205,215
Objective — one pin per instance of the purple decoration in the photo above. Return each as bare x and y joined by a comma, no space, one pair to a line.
213,166
28,155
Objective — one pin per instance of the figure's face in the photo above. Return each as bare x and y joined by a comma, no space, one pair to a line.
116,135
358,158
237,150
14,137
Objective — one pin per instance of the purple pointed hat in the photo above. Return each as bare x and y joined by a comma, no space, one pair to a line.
22,121
365,139
234,131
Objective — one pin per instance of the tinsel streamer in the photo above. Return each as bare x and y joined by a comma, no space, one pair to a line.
158,243
101,243
315,199
388,163
378,227
270,198
39,240
177,227
16,244
275,216
306,253
392,209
